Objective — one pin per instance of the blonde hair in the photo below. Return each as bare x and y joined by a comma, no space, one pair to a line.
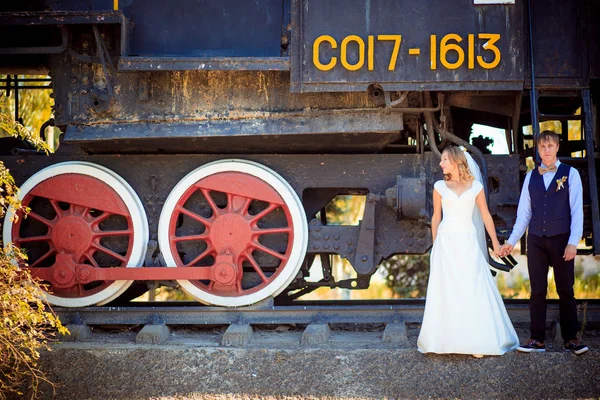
457,156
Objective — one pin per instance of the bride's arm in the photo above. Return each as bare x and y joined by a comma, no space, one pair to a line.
437,213
488,221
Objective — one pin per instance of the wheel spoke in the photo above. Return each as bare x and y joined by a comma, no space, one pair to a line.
237,204
270,231
202,236
92,260
100,218
193,215
41,219
80,210
229,208
59,212
264,212
211,202
111,253
42,258
244,208
267,250
33,239
200,257
256,267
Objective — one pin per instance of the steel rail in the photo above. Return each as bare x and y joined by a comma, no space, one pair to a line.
264,313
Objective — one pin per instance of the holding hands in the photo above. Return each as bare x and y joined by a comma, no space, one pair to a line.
497,249
506,249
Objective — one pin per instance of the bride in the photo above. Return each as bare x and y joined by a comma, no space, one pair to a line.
464,312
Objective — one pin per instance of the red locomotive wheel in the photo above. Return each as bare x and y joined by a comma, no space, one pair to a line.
243,222
81,213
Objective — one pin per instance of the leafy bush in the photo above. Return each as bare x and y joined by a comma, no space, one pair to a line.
27,324
26,327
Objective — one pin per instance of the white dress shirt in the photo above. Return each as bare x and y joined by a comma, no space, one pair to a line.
575,201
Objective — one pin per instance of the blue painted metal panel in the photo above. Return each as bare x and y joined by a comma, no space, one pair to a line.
205,28
196,28
417,67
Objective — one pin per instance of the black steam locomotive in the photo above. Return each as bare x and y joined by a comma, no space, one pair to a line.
204,139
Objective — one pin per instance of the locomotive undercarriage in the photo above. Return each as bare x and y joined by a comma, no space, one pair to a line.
152,177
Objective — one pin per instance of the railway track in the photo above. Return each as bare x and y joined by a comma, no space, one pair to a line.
304,312
363,349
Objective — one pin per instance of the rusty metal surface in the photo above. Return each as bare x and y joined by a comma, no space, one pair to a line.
176,96
204,63
212,112
61,17
277,132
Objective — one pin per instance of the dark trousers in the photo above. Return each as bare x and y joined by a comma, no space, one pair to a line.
543,252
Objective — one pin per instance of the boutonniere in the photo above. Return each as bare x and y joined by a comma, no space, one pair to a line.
560,183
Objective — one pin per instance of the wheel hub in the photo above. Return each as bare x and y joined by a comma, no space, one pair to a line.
230,232
72,235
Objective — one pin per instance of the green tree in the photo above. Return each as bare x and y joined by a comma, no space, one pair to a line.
407,275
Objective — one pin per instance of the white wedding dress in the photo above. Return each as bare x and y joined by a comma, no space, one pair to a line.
464,312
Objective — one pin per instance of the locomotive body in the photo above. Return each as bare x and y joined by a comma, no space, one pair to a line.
203,140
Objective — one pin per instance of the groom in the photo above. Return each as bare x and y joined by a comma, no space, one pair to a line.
551,206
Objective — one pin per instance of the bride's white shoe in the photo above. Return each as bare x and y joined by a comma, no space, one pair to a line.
477,355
